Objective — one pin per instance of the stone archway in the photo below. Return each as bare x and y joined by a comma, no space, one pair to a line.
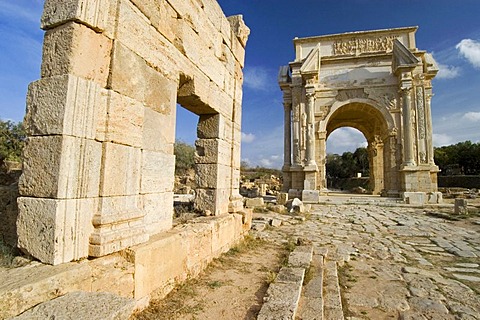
375,81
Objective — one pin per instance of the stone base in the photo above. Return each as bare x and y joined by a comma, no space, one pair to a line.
416,198
294,193
310,196
435,197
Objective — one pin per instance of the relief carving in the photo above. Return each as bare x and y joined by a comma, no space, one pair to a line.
357,46
420,113
324,110
347,94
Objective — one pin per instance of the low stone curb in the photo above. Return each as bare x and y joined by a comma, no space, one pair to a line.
333,309
82,305
283,295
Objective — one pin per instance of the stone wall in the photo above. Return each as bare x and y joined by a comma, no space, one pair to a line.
99,164
8,207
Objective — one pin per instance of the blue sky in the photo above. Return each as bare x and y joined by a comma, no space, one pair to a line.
449,29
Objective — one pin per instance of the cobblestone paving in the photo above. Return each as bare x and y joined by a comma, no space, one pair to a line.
396,262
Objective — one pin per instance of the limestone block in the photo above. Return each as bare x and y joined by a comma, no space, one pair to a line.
415,198
223,234
310,196
23,288
235,179
124,121
98,14
114,274
215,200
61,167
120,172
131,76
435,197
111,209
213,151
161,15
158,208
212,176
159,263
55,231
82,305
461,206
282,198
199,247
158,131
158,170
76,49
64,105
211,126
238,51
254,202
137,34
239,29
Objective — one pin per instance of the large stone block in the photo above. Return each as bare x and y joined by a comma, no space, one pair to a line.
213,176
158,131
76,49
55,231
98,14
214,200
124,120
199,246
158,170
213,151
158,208
61,167
211,126
65,105
120,172
133,77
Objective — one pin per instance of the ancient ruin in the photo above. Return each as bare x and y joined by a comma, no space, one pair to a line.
378,82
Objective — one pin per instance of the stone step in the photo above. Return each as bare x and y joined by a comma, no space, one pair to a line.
82,305
283,295
311,300
331,292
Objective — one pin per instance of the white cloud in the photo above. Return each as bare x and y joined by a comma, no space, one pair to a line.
470,49
472,116
447,72
266,151
440,139
258,78
345,139
247,137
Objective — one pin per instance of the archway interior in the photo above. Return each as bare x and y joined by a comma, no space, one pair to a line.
369,122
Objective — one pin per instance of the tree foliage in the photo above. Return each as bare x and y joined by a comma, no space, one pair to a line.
461,158
184,157
12,139
348,164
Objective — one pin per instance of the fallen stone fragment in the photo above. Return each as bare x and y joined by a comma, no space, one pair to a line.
466,278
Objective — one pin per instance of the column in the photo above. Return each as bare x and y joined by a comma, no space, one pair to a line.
310,111
407,126
428,114
296,99
287,136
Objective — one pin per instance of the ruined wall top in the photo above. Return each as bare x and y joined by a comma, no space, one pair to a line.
355,43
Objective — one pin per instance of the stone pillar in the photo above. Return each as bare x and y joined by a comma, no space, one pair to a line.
296,101
407,126
428,115
310,111
287,142
321,160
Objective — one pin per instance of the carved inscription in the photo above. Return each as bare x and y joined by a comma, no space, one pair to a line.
347,94
357,46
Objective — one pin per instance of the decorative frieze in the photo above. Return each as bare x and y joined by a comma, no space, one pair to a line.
358,46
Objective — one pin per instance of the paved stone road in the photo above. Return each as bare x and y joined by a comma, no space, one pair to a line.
396,262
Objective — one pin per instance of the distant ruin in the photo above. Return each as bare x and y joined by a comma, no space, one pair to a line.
375,81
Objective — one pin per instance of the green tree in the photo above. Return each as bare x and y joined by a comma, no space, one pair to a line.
460,158
184,157
12,140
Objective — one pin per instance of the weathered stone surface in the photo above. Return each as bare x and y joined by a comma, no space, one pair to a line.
23,288
282,198
55,231
301,257
82,305
158,208
281,301
254,202
76,49
157,172
310,196
62,167
66,105
461,206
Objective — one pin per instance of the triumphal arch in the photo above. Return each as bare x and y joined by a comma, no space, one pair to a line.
378,82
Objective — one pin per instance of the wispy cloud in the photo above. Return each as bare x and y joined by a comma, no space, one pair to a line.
258,78
470,50
441,139
472,116
447,72
247,137
456,127
267,151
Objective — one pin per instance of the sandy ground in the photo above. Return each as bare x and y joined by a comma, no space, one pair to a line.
232,287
